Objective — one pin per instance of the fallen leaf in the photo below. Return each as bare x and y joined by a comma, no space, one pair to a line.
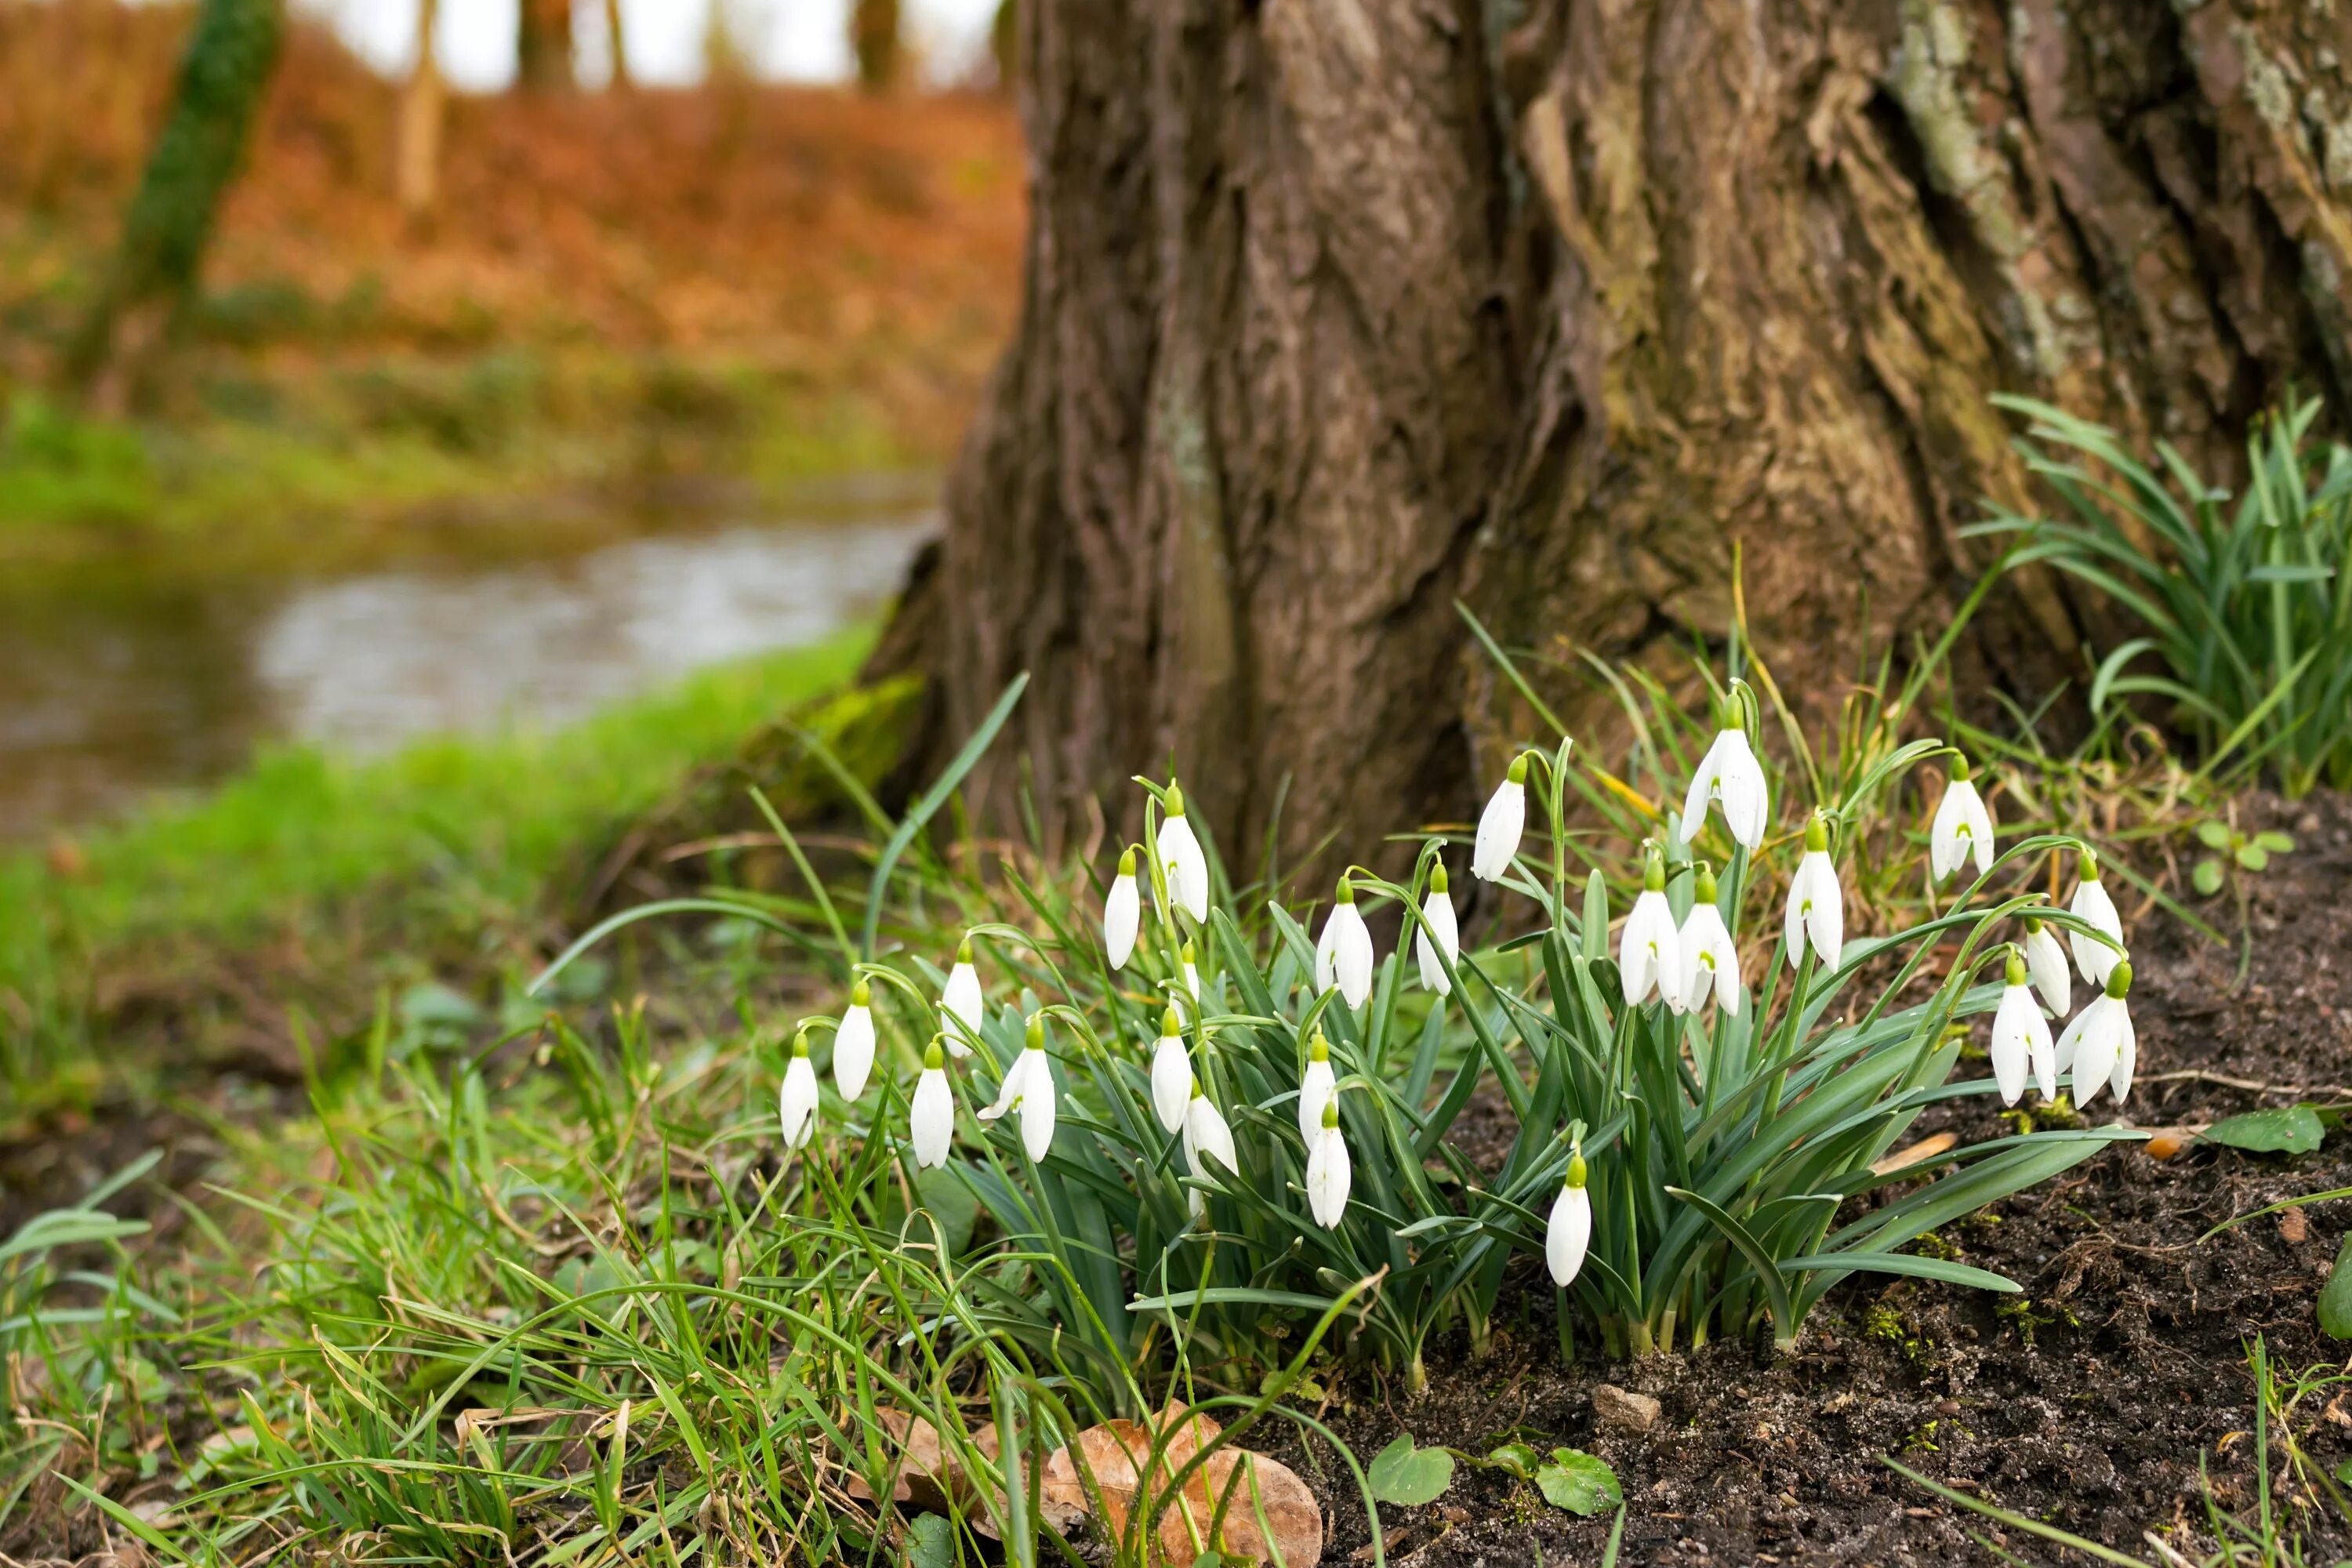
2294,1227
1119,1456
1928,1148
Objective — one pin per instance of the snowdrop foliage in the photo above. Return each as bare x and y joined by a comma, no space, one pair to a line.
1962,829
1502,824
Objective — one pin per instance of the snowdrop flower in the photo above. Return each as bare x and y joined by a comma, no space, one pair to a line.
797,1102
2046,960
1729,774
1179,851
1816,901
2020,1038
1314,1088
930,1124
1649,957
2094,958
1029,1087
1344,954
1189,964
1327,1174
1571,1230
1437,909
1122,912
2101,1043
1171,1074
961,1002
1502,824
1962,828
1207,1137
853,1043
1710,962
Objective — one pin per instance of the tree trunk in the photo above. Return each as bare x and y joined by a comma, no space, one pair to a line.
543,46
1341,310
874,39
416,155
616,43
170,220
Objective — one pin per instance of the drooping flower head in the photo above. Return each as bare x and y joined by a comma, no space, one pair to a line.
1571,1230
2046,960
2092,905
930,1124
1816,902
2020,1038
1730,774
1710,959
1502,824
1207,1146
962,1010
1440,942
1122,912
1649,953
1180,853
1963,828
1344,955
1029,1088
853,1043
2101,1044
796,1103
1328,1176
1171,1073
1313,1087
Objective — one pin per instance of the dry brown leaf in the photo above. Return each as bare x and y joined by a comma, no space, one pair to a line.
1928,1148
929,1479
1118,1455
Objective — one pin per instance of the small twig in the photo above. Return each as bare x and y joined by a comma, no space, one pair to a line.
2199,1075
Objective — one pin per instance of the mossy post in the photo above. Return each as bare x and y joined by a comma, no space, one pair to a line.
231,52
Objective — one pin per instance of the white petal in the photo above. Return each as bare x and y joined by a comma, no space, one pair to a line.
1648,954
1946,841
1038,1107
796,1103
2126,1053
1329,1177
1188,866
1500,827
1980,830
2012,1041
931,1118
2063,1053
1743,789
2046,960
1314,1094
964,1011
1703,782
1816,905
2093,957
1207,1138
1354,959
1171,1081
2094,1051
1569,1232
1122,917
1710,961
1438,910
853,1052
1008,1093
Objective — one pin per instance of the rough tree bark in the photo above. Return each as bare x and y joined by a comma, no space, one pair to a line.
1338,311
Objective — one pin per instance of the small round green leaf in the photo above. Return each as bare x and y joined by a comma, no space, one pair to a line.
2207,877
2289,1130
1579,1482
1519,1458
2213,834
1409,1476
2276,843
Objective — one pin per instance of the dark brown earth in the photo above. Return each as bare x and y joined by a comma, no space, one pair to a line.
2089,1403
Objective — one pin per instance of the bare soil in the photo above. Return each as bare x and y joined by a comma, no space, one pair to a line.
2089,1403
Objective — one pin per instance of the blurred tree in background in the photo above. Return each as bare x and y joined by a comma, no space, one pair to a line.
155,271
874,37
417,153
543,46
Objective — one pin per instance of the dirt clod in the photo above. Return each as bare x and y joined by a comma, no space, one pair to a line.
1616,1410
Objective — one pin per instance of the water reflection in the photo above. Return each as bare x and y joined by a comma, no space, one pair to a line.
107,695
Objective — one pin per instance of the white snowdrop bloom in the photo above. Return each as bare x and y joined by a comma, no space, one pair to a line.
853,1043
1502,824
1029,1088
1122,913
1171,1074
1816,901
1181,853
1710,960
1649,955
796,1103
1730,774
1207,1139
963,1010
2101,1044
1344,954
1328,1172
2092,905
1314,1088
2020,1039
1571,1230
1192,969
930,1124
1432,956
1962,828
2046,960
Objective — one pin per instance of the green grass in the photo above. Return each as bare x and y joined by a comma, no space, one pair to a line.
450,836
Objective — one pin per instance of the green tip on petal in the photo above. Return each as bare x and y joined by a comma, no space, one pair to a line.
1036,1031
800,1042
1703,888
1347,889
2119,978
1437,883
1331,1111
1318,1049
861,995
1188,954
2016,970
963,950
1577,1170
1653,871
1518,770
1170,1025
2090,864
2033,925
1817,834
1959,770
932,1056
1127,861
1175,799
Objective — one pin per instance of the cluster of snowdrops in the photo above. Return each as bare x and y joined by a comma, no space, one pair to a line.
1683,966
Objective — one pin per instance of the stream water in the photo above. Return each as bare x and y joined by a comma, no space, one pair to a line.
116,690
